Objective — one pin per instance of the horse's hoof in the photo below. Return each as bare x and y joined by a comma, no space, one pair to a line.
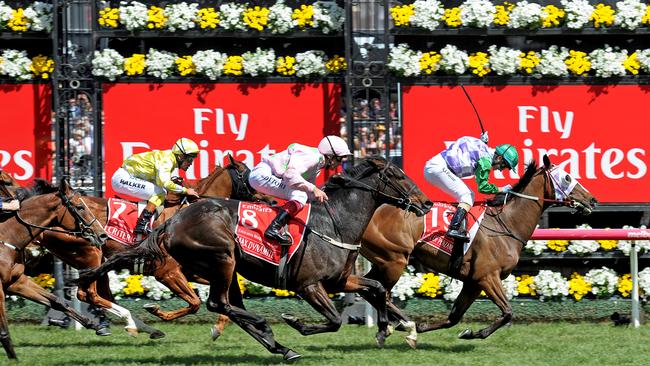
289,318
133,332
412,342
466,334
215,333
151,308
291,356
390,329
381,339
103,331
156,334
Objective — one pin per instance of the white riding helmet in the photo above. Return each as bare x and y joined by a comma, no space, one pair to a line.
185,146
333,145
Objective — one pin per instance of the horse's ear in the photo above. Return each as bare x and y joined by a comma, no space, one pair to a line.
231,159
337,179
64,186
547,161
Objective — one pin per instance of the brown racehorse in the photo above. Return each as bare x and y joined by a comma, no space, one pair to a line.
393,236
201,238
230,181
62,208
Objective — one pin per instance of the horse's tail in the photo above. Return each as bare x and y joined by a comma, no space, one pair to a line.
148,249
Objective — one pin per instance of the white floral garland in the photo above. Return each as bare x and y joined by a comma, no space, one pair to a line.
428,14
280,19
629,14
181,16
209,63
578,12
525,15
134,15
550,284
15,64
107,63
477,13
259,63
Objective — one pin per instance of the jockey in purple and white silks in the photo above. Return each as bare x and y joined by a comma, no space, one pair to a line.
290,175
466,157
148,176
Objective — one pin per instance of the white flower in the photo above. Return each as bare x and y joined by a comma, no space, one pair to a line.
232,16
202,290
551,62
578,12
260,62
608,62
328,16
603,281
39,15
643,56
6,13
181,16
644,283
15,64
311,63
406,286
641,245
550,284
209,63
280,18
581,247
427,14
117,282
451,287
525,15
629,14
154,289
403,60
160,64
477,13
504,60
510,285
108,63
536,246
133,15
454,61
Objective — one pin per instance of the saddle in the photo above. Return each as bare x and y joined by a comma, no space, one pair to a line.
122,217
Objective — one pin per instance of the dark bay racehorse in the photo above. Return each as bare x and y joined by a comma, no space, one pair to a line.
229,181
201,238
42,208
393,236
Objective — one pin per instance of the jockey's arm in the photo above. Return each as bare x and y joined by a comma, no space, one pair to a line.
482,174
301,163
164,178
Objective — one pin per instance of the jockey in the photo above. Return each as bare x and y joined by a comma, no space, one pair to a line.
148,176
291,174
9,204
466,157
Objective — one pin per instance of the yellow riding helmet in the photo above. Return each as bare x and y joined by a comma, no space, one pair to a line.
185,146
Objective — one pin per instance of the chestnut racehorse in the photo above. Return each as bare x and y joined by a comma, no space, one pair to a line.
229,181
393,236
43,208
201,238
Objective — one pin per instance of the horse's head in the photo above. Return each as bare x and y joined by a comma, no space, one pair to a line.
564,189
8,184
241,188
391,184
76,214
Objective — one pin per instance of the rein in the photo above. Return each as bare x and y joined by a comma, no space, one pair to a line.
68,205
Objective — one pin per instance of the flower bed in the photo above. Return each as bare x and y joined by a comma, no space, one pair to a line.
15,64
36,17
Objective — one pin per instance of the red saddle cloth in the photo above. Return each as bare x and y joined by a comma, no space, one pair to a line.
437,221
254,218
122,218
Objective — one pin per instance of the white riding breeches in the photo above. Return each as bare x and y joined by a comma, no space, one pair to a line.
263,180
124,183
438,174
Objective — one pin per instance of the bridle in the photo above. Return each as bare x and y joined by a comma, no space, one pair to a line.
241,189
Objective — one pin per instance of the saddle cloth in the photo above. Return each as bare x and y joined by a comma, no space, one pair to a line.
253,220
437,221
122,218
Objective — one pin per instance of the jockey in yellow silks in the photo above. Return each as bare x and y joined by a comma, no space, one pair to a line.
148,176
290,175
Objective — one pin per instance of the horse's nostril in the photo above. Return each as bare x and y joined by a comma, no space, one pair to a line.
104,237
428,204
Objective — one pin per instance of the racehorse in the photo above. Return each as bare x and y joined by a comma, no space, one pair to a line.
201,238
392,236
62,208
229,181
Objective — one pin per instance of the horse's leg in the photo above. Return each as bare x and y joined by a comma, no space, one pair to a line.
373,291
317,297
89,294
4,328
218,301
168,272
493,288
219,326
467,295
25,287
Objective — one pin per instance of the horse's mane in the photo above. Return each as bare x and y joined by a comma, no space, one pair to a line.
207,181
40,186
359,170
499,198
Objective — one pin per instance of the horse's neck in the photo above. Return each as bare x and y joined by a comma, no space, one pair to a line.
214,185
522,215
39,210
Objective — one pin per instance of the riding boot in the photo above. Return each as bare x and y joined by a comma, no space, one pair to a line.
456,228
142,227
273,231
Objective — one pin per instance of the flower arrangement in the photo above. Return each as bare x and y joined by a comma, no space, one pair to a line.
554,61
110,64
36,17
234,16
15,64
574,14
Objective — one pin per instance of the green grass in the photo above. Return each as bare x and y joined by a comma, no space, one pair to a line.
189,344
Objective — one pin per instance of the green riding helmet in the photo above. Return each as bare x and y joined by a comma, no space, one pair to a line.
509,154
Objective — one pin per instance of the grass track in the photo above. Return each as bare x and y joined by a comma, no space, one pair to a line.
189,344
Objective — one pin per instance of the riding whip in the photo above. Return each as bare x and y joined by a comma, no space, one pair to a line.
484,136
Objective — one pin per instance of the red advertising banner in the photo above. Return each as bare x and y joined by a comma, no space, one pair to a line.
26,150
246,120
599,134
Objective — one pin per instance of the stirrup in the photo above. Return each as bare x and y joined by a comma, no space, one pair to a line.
282,240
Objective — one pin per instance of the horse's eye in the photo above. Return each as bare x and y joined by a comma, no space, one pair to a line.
567,178
80,207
